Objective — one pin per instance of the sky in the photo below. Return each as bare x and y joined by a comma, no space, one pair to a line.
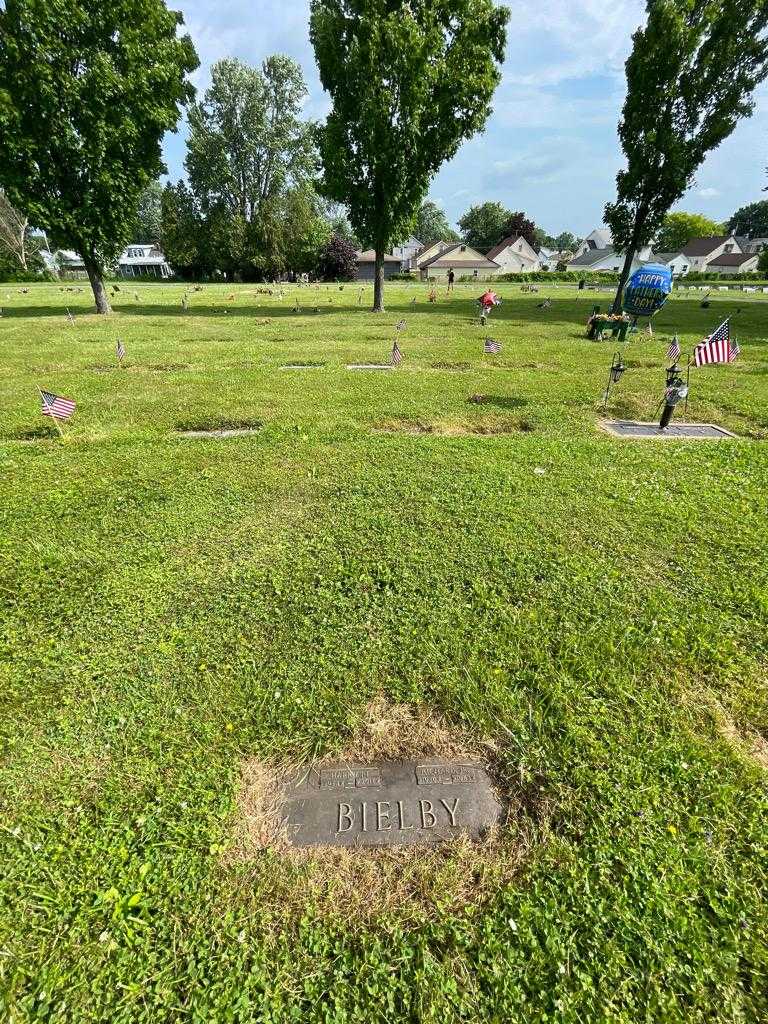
550,147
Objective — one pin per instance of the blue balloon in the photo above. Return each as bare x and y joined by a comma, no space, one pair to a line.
648,290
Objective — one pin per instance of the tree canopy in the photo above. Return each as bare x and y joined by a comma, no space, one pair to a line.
247,142
690,77
147,223
679,228
751,220
88,88
432,225
408,81
483,226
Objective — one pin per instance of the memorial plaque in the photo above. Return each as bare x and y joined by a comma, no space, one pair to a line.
391,804
675,431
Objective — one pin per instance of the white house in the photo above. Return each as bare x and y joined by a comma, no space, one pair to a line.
143,261
701,251
514,255
730,263
430,250
755,245
462,259
608,260
68,265
676,261
600,238
407,253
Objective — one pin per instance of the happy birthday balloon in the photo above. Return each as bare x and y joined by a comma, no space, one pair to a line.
648,290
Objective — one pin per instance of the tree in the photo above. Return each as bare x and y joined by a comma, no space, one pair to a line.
338,261
762,262
751,220
432,225
181,230
518,224
690,77
565,242
14,227
148,220
247,143
409,81
88,88
678,229
484,225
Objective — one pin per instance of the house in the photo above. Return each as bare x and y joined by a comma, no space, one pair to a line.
755,245
607,260
600,238
366,265
407,253
462,259
143,261
550,258
514,255
701,251
729,263
69,265
676,261
430,250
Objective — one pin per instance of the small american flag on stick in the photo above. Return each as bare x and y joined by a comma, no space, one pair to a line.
716,348
397,355
70,318
491,347
674,350
400,325
120,350
735,350
56,406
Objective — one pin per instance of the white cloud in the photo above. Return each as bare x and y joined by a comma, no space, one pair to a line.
708,193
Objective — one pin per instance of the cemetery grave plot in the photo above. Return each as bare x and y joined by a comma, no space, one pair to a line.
634,430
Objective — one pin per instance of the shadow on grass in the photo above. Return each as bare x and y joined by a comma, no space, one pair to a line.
499,401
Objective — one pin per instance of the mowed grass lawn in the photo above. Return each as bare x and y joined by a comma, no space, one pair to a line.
172,608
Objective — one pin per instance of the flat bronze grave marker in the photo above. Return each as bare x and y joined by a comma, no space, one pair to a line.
391,804
675,431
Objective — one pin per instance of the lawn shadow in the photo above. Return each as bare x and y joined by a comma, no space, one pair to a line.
499,401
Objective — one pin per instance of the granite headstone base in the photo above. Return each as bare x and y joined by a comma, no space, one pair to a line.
675,431
390,804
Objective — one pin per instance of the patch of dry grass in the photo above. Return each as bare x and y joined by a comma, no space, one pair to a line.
400,883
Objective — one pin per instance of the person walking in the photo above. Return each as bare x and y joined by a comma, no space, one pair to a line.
451,279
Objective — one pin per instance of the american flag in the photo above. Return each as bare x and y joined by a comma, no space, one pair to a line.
70,318
716,348
735,350
56,406
120,350
674,350
397,355
400,325
491,347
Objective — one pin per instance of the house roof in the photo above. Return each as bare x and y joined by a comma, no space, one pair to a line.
431,245
505,244
469,259
667,257
592,256
704,246
369,256
732,259
601,237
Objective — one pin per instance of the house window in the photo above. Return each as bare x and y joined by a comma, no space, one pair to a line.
463,248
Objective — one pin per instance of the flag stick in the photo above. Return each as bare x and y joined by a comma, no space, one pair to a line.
687,386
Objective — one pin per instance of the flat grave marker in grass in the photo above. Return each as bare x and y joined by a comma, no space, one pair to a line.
674,432
389,804
370,366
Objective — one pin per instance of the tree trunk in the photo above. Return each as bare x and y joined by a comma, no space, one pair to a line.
378,279
94,272
624,277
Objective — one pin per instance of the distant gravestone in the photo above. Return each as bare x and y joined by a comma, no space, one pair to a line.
390,804
675,431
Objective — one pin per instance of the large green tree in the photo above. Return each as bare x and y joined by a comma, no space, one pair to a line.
88,88
690,77
148,220
247,141
484,225
432,225
181,231
751,220
518,225
677,229
409,80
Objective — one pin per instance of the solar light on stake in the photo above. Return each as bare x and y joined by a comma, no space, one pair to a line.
676,391
614,376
